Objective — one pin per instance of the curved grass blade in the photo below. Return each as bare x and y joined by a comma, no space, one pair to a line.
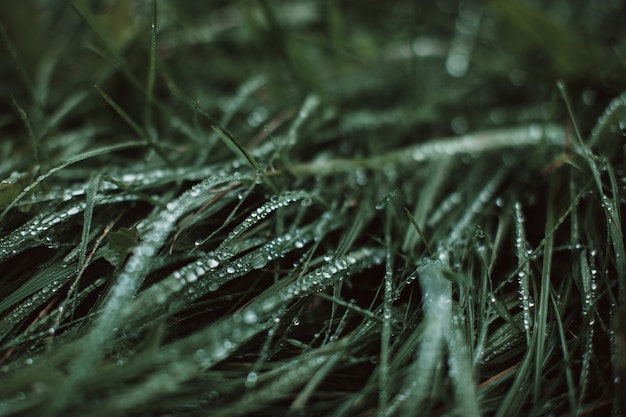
260,213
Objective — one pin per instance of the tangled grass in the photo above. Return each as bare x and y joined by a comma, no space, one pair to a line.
312,208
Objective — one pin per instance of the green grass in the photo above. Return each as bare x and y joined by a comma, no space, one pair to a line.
308,208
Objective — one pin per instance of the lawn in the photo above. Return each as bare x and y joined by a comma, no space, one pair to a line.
312,208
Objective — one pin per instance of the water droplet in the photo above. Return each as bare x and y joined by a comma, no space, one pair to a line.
459,125
258,262
250,317
361,177
212,263
230,269
457,63
251,380
258,116
191,277
341,264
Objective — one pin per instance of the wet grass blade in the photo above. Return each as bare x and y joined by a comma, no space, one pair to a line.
419,231
523,266
571,387
68,162
383,381
542,322
232,144
134,191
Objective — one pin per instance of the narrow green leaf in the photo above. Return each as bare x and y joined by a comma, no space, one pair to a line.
151,69
138,130
241,152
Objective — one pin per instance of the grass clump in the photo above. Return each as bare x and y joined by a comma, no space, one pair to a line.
311,208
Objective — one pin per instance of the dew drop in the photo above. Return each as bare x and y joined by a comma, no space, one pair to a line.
212,263
250,317
73,211
251,380
258,262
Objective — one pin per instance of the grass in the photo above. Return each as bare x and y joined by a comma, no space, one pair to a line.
312,208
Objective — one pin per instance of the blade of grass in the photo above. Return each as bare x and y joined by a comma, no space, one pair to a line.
419,231
461,370
520,388
140,132
612,213
113,51
134,191
541,315
442,148
151,70
610,208
29,128
92,191
70,161
383,381
16,60
427,198
523,266
232,144
571,388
